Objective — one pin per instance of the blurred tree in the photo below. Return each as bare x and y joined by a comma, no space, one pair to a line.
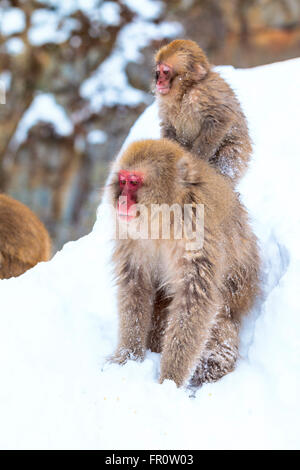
77,74
243,33
64,116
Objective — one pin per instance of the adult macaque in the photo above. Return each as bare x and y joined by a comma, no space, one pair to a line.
186,304
24,241
199,110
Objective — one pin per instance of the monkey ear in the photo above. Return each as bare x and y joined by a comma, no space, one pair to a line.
186,171
183,168
201,71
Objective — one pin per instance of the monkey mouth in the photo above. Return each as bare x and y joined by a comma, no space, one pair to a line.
127,213
163,90
126,217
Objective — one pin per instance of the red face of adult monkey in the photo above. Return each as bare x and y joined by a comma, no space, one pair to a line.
145,181
185,304
199,110
130,182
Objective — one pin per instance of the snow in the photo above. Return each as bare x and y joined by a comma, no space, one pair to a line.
109,13
56,26
14,46
68,7
96,136
147,9
5,79
58,322
12,21
49,26
43,108
108,85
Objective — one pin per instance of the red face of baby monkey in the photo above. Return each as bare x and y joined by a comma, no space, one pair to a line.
130,182
163,75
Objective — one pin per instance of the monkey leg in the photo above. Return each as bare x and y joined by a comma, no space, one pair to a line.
220,354
242,289
231,159
159,321
12,267
135,300
191,314
168,131
210,137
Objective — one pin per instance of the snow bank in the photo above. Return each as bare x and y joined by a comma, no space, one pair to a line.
58,322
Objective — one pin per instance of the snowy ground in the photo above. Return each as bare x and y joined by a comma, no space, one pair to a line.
58,322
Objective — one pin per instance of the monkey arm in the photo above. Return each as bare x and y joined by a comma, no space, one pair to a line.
191,315
135,304
168,131
212,134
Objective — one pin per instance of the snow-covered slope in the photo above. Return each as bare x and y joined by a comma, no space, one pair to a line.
58,322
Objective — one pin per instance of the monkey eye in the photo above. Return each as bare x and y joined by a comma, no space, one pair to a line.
122,181
157,74
134,182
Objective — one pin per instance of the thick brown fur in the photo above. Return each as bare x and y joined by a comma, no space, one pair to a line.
24,241
185,304
201,111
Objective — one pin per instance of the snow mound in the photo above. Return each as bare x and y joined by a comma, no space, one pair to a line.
58,321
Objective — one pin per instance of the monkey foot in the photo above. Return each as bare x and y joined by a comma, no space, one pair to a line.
209,371
121,357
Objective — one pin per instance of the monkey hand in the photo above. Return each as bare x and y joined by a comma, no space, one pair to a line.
123,355
169,132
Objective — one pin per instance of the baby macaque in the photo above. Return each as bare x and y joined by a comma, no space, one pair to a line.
199,110
24,241
179,294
